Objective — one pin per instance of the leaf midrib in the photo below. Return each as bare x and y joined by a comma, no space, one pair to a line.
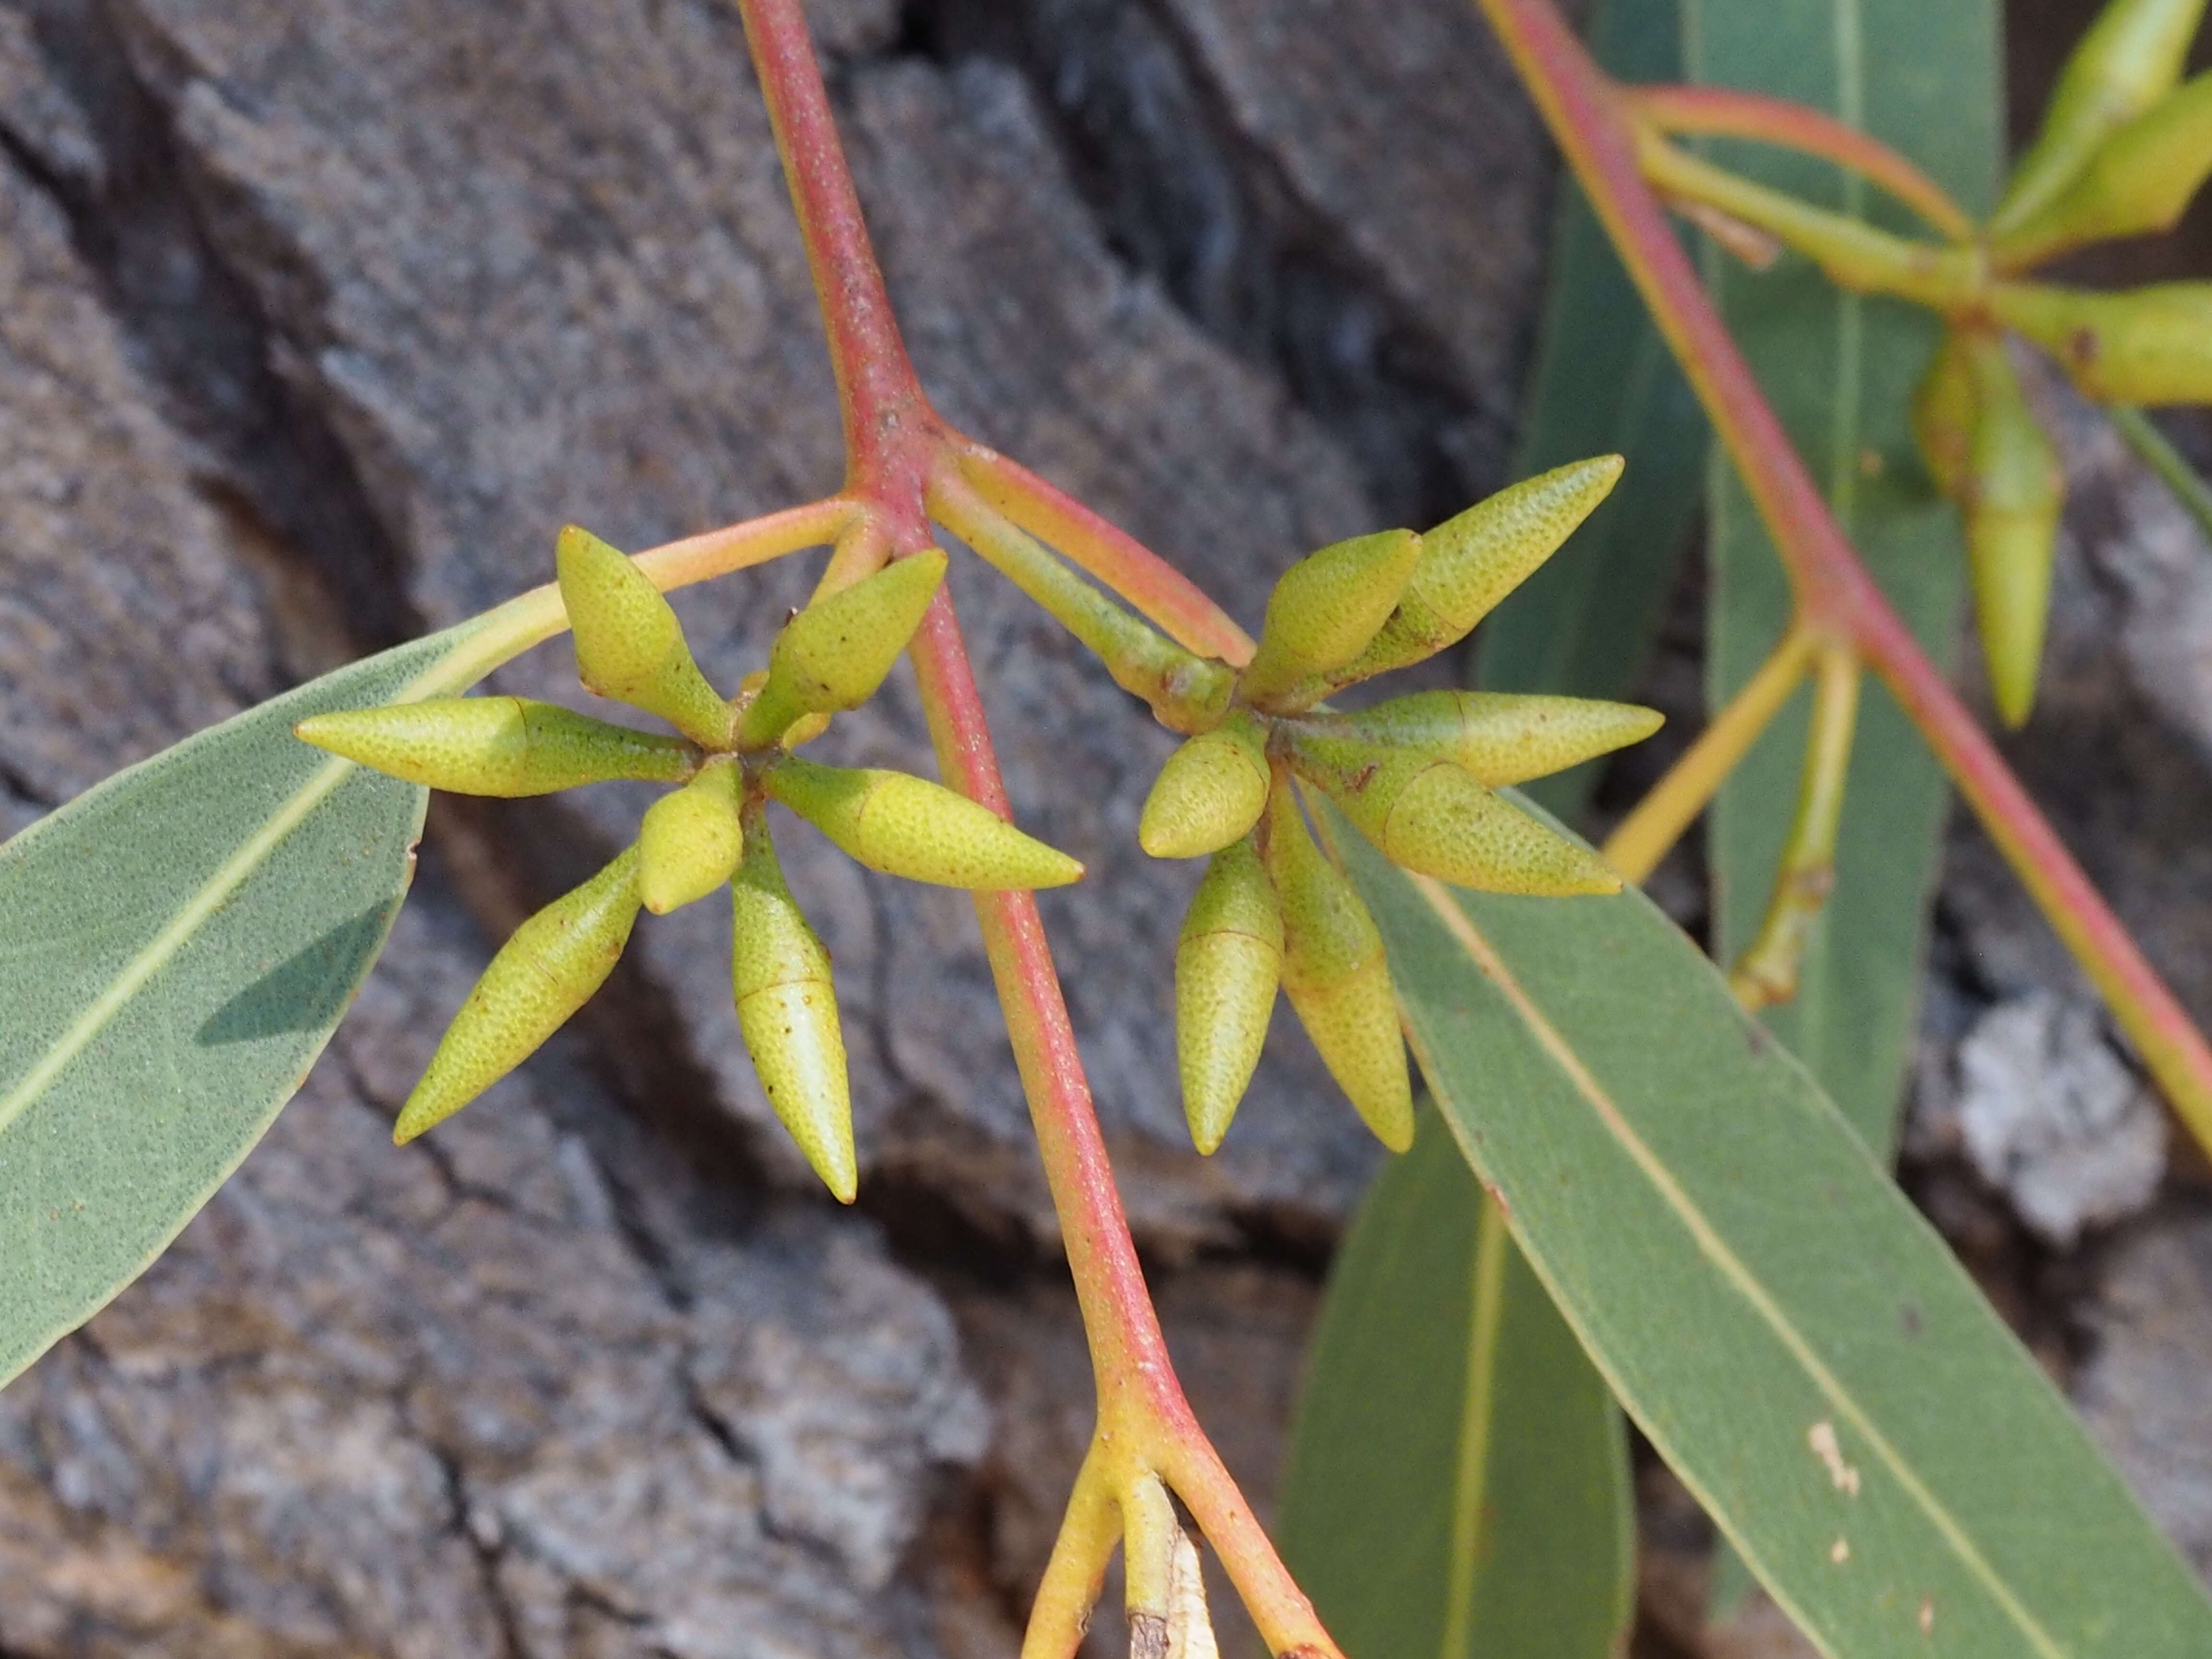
1714,1250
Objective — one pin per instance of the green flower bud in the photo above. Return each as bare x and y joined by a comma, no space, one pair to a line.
1500,738
1328,606
2153,345
541,975
1229,959
2130,59
630,646
1432,817
1943,416
1469,564
1210,793
833,655
690,841
2137,181
787,1011
2014,495
1337,976
496,745
906,826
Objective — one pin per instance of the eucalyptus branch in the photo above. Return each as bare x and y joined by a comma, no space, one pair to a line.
1592,120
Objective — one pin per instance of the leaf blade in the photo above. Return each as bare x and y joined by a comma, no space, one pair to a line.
180,941
1791,1335
1457,1482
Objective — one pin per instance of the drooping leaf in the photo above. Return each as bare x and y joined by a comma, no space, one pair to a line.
1840,371
1457,1486
178,944
1604,383
1793,1337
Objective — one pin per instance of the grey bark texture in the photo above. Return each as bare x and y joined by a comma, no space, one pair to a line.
319,317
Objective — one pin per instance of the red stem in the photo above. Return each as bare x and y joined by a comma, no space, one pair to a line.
894,440
1726,112
1835,595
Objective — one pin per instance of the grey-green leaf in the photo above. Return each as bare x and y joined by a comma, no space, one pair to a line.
1457,1486
1604,383
1789,1331
1840,370
178,944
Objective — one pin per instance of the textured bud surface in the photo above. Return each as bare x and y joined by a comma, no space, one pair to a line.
833,655
543,974
506,746
1338,978
1229,961
1433,818
1470,562
690,843
906,826
629,644
1328,606
1501,737
787,1011
1210,791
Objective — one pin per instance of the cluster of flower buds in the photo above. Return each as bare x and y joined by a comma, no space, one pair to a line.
708,833
1418,776
2124,144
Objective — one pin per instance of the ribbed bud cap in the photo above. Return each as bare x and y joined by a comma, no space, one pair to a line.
787,1011
1229,960
1210,791
543,974
1338,978
691,841
906,826
629,645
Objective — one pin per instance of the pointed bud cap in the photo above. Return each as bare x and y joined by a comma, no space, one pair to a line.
2137,181
630,646
1229,961
541,975
1469,563
787,1011
690,843
1498,738
906,826
1328,606
507,746
1210,791
834,654
1338,978
2128,59
2016,492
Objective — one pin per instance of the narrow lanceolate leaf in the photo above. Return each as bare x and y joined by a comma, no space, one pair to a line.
1458,1478
1796,1341
1604,383
178,944
1841,370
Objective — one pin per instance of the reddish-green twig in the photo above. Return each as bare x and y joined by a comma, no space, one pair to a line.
1589,117
897,446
